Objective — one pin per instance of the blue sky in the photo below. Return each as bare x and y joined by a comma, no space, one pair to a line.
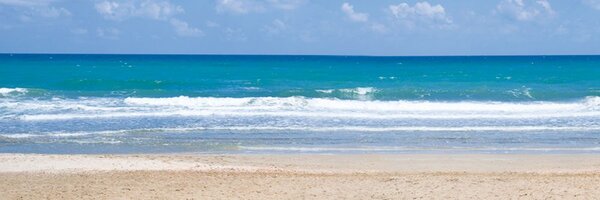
350,27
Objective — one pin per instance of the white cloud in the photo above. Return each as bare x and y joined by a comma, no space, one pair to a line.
363,18
183,29
31,9
421,13
595,4
238,6
107,8
159,10
52,12
147,9
276,27
25,2
120,10
380,28
286,4
48,12
235,34
522,10
255,6
353,15
108,33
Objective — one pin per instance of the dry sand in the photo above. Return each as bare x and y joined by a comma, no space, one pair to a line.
30,176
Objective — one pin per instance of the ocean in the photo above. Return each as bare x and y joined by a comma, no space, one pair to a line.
79,104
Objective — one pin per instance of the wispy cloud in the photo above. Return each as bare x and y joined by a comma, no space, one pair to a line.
29,10
108,33
238,6
147,9
353,15
255,6
379,28
286,4
183,28
595,4
120,10
276,27
524,10
25,2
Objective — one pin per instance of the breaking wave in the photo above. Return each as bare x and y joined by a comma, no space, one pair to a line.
4,92
88,108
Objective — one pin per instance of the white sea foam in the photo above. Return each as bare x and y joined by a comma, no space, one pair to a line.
340,115
251,88
62,134
329,91
12,91
359,93
522,92
60,109
19,135
360,90
383,77
592,102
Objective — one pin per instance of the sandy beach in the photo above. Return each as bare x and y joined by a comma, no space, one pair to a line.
398,176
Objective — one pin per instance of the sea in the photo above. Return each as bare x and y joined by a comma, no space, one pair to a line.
279,104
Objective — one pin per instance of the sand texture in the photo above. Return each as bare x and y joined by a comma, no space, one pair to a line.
25,176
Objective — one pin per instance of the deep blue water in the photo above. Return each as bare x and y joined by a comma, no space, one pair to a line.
316,104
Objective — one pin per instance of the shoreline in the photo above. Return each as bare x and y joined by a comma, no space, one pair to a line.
373,176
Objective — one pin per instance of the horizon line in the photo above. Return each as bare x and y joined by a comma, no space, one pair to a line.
325,55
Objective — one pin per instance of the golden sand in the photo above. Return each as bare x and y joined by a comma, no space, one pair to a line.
299,176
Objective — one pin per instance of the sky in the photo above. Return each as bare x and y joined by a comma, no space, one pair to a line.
313,27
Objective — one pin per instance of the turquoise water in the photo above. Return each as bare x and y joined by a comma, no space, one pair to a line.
316,104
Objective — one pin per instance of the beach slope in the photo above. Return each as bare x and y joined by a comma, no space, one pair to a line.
178,176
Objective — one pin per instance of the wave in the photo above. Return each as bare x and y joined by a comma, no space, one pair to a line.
328,91
341,115
359,90
360,93
292,103
62,134
4,92
522,92
150,121
89,108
